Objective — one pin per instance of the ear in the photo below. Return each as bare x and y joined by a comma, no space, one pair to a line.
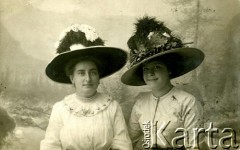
168,70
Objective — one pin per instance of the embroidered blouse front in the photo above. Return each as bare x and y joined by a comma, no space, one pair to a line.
97,124
176,109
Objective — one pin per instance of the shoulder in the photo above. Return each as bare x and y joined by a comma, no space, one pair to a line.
114,104
142,99
61,105
142,95
186,99
181,93
183,96
103,98
58,106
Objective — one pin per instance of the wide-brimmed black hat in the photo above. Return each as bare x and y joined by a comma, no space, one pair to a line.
82,42
152,40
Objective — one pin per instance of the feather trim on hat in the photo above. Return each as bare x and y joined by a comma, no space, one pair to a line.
147,24
151,37
78,34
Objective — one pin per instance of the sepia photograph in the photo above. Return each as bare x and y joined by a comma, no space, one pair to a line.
119,75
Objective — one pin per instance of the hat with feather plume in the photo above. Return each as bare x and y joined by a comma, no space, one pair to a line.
82,42
153,40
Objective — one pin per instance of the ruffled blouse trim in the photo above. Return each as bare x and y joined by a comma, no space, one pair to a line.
87,109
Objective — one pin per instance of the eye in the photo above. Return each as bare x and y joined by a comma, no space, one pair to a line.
145,69
157,67
94,72
82,73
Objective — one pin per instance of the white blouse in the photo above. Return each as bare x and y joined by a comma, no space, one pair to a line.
176,109
96,124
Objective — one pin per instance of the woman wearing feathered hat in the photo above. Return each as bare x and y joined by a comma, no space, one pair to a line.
156,57
86,119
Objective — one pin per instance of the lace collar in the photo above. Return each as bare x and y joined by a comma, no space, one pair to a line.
89,107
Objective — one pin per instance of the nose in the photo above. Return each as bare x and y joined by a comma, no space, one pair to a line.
88,77
151,72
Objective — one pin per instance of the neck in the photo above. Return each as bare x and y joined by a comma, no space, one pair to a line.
86,97
158,92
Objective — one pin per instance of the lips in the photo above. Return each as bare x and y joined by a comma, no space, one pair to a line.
154,79
87,85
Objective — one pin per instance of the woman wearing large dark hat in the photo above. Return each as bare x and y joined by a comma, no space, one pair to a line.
156,57
86,119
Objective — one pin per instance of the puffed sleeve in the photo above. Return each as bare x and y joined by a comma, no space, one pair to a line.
193,118
134,128
52,139
121,140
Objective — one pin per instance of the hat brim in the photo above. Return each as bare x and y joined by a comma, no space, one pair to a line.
113,59
179,61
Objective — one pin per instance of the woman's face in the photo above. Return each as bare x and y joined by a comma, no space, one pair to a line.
85,77
155,74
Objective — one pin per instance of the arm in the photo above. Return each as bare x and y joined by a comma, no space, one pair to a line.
121,139
52,139
193,118
134,128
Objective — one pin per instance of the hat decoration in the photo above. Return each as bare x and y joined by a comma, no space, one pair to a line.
153,40
151,37
81,42
76,34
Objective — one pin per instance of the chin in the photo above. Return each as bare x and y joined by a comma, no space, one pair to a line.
90,91
155,85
